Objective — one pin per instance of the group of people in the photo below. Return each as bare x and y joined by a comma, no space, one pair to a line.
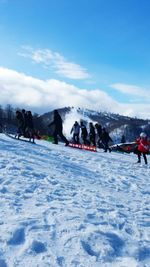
25,124
96,136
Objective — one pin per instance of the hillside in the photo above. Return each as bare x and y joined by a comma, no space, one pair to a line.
62,207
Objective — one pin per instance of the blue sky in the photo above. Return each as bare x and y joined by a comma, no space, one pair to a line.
99,49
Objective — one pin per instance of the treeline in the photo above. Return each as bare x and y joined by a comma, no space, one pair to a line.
8,118
7,114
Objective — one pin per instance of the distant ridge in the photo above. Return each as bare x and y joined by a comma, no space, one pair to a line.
116,124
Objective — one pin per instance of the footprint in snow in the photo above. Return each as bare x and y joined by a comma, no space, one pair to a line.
111,241
3,263
38,247
17,238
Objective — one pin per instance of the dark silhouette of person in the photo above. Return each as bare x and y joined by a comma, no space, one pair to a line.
24,126
1,125
29,125
98,128
20,122
105,139
84,133
92,134
58,128
76,131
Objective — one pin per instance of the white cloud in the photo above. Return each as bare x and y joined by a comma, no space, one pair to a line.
138,110
131,90
53,59
21,90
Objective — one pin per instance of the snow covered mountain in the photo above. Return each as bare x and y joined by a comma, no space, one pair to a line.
116,124
63,207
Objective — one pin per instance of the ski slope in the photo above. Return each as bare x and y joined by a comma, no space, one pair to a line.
63,207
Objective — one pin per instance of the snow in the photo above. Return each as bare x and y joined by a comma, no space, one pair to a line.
71,117
63,207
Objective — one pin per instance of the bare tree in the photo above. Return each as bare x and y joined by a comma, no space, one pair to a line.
9,113
1,113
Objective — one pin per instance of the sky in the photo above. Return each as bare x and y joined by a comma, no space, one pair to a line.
93,54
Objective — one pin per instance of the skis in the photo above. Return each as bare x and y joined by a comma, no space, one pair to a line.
84,147
23,140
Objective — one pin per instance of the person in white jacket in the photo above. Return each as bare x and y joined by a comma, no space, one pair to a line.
76,132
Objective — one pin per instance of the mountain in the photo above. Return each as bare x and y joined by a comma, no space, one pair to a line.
116,124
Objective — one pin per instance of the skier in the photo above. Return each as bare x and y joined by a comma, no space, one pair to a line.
99,133
29,125
57,122
84,133
143,147
20,121
76,131
105,140
92,134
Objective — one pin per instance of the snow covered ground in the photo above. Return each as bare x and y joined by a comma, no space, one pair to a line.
63,207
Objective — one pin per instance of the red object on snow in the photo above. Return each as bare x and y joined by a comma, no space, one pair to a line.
82,146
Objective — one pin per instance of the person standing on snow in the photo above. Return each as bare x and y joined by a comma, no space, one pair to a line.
58,128
105,140
29,125
20,121
92,134
1,126
84,133
76,131
98,128
24,126
143,147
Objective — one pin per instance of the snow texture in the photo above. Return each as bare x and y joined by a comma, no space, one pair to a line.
64,207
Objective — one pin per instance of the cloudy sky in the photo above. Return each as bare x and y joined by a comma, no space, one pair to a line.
93,54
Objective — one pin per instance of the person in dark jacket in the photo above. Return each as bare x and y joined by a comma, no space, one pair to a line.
98,128
29,125
76,131
58,128
84,133
20,122
105,140
92,134
1,127
24,126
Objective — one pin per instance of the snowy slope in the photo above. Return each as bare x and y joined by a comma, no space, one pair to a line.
62,207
